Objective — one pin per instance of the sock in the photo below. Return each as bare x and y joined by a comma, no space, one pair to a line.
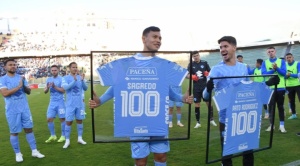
51,128
156,163
178,117
197,114
31,140
67,131
170,118
289,105
80,129
63,126
14,141
281,123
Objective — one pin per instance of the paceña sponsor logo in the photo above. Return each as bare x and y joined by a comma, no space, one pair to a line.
141,71
246,94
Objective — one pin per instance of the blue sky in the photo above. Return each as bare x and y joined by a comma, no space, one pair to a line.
197,21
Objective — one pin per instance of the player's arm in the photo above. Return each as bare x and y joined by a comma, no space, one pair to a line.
47,87
59,89
298,69
264,69
84,85
282,69
67,86
7,92
97,101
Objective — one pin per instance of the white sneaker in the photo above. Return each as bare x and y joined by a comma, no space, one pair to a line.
37,154
180,124
67,144
269,128
197,125
212,122
81,141
19,157
170,124
282,129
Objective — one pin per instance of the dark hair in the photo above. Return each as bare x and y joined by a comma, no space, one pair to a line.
9,60
271,47
149,29
288,54
239,56
229,39
195,52
54,66
72,64
260,61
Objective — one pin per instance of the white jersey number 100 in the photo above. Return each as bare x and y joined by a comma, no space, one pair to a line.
141,105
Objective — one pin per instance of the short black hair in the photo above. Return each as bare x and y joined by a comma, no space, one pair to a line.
72,64
195,52
239,56
229,39
260,61
288,54
149,29
9,60
271,47
54,66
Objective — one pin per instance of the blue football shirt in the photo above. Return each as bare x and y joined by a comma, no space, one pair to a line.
243,104
141,91
17,102
74,90
54,94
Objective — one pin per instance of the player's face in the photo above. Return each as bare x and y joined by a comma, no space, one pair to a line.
54,71
271,53
289,58
11,67
196,57
227,51
240,59
257,65
152,41
73,69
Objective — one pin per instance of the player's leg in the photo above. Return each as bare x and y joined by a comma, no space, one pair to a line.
70,112
27,124
197,99
280,106
62,116
14,123
51,113
80,115
248,159
140,151
211,114
225,162
271,108
160,149
292,96
178,113
171,105
266,111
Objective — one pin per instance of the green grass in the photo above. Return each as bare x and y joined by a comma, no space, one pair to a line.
183,153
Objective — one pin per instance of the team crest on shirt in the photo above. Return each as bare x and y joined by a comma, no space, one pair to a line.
202,66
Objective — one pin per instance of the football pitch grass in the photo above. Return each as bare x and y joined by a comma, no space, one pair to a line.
190,152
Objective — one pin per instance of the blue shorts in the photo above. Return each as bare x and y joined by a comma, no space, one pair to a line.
56,108
177,103
19,121
143,149
76,112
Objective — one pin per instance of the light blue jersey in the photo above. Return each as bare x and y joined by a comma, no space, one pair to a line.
54,94
18,114
141,91
17,102
223,70
57,103
74,98
243,104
